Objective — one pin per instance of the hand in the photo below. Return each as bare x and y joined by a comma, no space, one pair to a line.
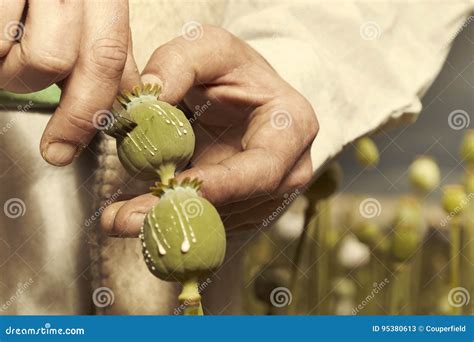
85,46
252,141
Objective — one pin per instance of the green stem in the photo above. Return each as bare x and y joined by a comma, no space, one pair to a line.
302,259
166,173
322,270
469,239
416,262
469,236
374,307
399,297
190,298
455,230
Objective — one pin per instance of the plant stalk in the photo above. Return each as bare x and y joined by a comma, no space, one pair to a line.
303,258
190,298
320,282
399,297
455,233
468,238
166,173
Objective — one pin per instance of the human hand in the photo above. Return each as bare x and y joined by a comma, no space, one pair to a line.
85,46
252,141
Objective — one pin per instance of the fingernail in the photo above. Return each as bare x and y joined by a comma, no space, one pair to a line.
59,153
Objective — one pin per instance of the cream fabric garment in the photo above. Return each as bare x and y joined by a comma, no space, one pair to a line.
360,64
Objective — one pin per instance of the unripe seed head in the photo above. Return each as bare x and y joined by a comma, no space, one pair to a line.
368,232
183,236
367,152
454,199
424,174
155,138
467,147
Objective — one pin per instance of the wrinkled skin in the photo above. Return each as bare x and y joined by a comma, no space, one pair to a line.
91,61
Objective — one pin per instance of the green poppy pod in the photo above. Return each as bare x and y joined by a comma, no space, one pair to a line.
183,237
153,137
424,174
367,153
454,199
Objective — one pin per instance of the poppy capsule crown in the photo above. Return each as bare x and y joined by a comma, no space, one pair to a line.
153,137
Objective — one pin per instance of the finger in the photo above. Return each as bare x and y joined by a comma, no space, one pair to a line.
130,76
126,218
108,216
255,216
10,26
295,181
94,82
269,153
299,177
182,63
46,52
242,206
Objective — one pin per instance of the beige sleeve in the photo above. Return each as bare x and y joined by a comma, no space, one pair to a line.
361,64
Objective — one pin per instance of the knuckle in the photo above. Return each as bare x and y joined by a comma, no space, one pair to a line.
301,180
310,124
108,58
226,39
274,175
174,50
216,31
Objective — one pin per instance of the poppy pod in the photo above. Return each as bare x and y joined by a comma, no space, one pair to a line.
153,137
